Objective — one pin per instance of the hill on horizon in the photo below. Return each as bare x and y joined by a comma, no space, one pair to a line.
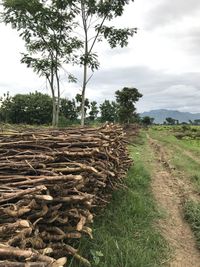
160,115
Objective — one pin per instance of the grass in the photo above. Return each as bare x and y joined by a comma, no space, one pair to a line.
192,215
166,135
124,234
178,153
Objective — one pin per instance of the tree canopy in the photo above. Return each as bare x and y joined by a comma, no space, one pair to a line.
52,33
33,108
126,99
36,108
46,28
94,15
108,111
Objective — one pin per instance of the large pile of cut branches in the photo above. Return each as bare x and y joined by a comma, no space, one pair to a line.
51,181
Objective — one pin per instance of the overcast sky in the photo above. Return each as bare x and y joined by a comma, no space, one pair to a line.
162,60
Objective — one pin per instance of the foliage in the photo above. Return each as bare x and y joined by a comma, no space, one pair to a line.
93,110
78,98
68,109
147,120
33,108
45,27
92,18
5,104
126,99
108,111
96,255
170,121
49,30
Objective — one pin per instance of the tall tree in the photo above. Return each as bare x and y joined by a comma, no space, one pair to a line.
46,28
108,111
126,99
94,16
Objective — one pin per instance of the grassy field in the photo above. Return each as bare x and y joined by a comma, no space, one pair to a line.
124,234
184,155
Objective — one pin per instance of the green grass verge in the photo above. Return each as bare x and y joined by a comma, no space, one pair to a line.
124,234
166,135
178,154
192,215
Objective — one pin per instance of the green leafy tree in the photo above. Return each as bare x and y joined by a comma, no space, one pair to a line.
170,121
33,108
147,120
93,110
108,111
46,28
94,15
69,109
126,99
5,103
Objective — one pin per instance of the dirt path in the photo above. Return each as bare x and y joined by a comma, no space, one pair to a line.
170,192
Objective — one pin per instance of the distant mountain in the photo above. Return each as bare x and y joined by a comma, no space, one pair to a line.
161,114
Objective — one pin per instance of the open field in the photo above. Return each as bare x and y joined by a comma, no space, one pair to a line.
184,153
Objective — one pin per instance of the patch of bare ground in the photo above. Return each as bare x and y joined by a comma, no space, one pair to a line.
170,191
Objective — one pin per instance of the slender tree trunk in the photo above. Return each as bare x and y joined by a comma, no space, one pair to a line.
84,20
83,96
54,112
58,99
51,84
87,52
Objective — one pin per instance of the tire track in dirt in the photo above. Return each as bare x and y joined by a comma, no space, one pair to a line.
170,192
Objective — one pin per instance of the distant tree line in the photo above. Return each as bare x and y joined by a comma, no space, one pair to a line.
171,121
36,108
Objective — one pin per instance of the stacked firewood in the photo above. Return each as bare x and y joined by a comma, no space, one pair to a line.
51,182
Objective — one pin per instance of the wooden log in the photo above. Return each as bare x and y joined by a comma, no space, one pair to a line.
12,196
11,227
15,253
46,179
23,264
